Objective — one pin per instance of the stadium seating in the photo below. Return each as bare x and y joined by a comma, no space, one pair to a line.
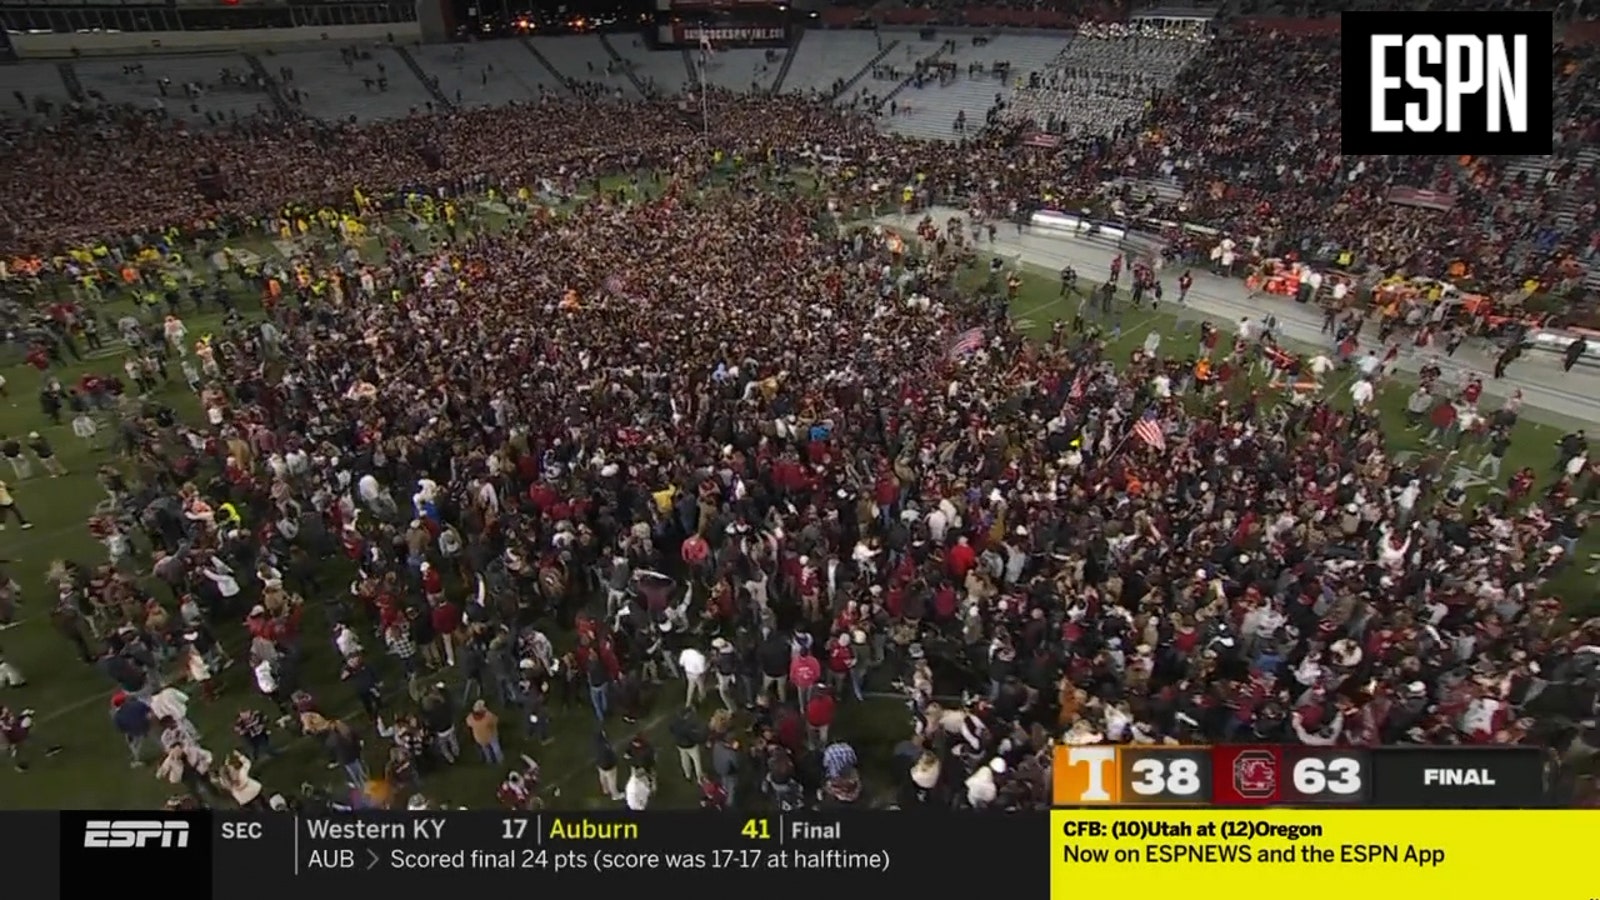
491,73
35,82
930,111
665,72
336,88
222,85
827,59
1103,79
581,58
738,69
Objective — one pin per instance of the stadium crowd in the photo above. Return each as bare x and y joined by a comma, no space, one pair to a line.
773,462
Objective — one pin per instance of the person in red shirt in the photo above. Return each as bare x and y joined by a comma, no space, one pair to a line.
961,559
696,551
804,673
260,625
432,583
843,666
819,716
446,618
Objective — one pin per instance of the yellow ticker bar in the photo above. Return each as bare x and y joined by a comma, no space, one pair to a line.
1347,853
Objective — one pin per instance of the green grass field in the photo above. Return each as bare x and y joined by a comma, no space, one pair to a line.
71,699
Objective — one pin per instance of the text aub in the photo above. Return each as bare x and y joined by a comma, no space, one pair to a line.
135,833
1493,66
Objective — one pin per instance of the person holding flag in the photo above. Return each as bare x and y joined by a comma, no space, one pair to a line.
1149,430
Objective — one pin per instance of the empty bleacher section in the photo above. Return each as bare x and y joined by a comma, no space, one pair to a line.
584,59
365,83
894,69
828,59
32,89
492,73
746,70
662,72
194,89
973,81
1104,78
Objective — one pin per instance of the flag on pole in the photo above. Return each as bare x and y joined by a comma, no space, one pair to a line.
1148,429
705,43
968,341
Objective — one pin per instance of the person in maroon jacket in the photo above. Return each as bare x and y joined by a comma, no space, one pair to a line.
819,716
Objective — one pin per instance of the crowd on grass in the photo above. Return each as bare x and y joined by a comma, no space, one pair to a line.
707,449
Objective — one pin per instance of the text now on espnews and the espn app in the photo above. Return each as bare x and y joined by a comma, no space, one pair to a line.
1447,83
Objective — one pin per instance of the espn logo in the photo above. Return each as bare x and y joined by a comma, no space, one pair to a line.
134,833
1447,83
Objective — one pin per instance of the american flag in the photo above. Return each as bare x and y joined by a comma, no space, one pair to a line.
1148,429
966,342
1075,391
705,44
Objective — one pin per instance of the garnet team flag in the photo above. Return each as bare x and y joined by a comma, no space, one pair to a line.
1148,429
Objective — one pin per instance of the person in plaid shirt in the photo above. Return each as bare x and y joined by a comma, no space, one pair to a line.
398,637
838,758
251,727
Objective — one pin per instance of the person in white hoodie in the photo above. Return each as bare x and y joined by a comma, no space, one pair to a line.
637,792
234,778
346,641
981,789
220,574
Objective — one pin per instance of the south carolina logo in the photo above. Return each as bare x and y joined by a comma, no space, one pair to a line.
1255,774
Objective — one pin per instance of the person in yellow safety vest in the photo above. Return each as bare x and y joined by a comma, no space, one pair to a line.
228,516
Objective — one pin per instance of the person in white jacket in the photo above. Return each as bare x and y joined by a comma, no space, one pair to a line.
235,779
637,792
171,703
221,574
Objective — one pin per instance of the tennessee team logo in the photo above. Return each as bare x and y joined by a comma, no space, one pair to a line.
1255,774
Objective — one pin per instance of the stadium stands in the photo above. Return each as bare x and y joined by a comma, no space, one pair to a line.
663,72
977,80
582,58
491,73
1104,78
367,83
739,69
39,86
828,59
190,88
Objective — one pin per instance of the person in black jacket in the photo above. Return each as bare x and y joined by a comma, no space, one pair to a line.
439,717
641,754
689,734
773,658
605,765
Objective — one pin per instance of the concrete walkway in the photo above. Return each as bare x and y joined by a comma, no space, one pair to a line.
1563,399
